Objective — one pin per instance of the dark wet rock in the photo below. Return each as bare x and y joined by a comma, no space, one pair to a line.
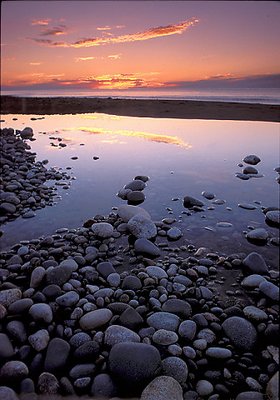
250,395
241,332
103,386
27,133
135,197
131,319
136,185
273,218
208,195
272,389
156,272
204,388
250,170
13,371
146,247
258,235
82,370
78,339
6,347
163,388
95,319
252,281
187,330
126,212
255,314
59,275
131,283
17,331
9,296
6,393
179,307
190,202
247,206
102,230
39,340
143,178
218,353
87,351
41,312
254,263
142,227
174,233
176,368
164,337
270,290
251,159
105,268
244,177
134,364
57,355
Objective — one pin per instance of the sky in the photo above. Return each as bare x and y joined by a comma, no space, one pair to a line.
154,45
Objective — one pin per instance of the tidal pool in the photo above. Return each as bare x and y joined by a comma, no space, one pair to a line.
181,157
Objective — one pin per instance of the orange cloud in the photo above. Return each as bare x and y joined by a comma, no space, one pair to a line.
35,63
133,37
41,22
115,56
104,28
55,31
84,58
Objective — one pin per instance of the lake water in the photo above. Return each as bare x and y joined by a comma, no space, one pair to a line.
181,157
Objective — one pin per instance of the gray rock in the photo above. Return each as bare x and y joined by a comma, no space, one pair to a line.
17,331
103,386
142,227
59,275
204,388
39,340
241,332
190,202
247,206
156,272
174,233
105,268
208,195
131,282
102,230
134,364
29,214
7,393
272,389
163,388
164,337
68,299
257,235
218,353
136,197
176,368
251,159
252,281
255,263
270,290
250,395
95,319
146,247
250,170
82,370
27,133
13,371
57,355
131,319
273,218
7,208
123,193
187,330
9,296
6,347
79,339
48,384
37,276
114,279
136,185
164,320
255,314
87,352
207,335
179,307
119,334
244,177
126,212
41,312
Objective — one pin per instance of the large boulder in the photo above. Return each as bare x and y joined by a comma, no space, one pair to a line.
241,332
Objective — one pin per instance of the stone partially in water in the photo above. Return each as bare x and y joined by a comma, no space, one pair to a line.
102,230
146,247
126,212
190,202
273,218
251,159
142,227
250,170
258,235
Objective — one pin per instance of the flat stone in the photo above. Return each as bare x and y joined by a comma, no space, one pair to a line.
134,364
255,314
87,352
208,195
68,299
105,268
137,185
135,197
241,332
252,281
146,247
102,230
163,388
273,218
255,263
57,355
126,212
247,206
251,159
142,227
82,370
163,320
270,290
156,272
95,319
41,312
176,368
118,334
177,306
187,330
174,233
250,395
164,337
218,353
257,235
131,282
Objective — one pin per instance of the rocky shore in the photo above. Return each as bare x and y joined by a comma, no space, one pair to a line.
118,309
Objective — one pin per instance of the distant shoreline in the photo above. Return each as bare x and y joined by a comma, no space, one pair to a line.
183,109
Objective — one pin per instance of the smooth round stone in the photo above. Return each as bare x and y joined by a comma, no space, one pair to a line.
273,217
257,235
95,319
13,371
163,388
126,212
114,279
187,330
134,364
255,263
119,334
82,383
57,355
164,320
103,386
7,393
79,339
250,170
102,230
208,195
136,185
252,281
41,312
142,227
135,197
48,384
143,178
59,275
9,296
179,307
156,272
17,330
255,314
270,290
37,276
39,340
241,332
105,268
251,159
204,388
250,395
122,193
219,353
224,225
174,233
68,299
145,246
82,370
190,202
23,250
176,368
87,351
131,282
207,334
105,292
27,133
8,208
6,347
247,206
164,337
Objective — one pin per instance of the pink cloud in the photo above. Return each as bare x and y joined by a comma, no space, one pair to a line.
40,22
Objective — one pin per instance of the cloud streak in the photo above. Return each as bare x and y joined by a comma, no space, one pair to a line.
40,22
55,31
153,33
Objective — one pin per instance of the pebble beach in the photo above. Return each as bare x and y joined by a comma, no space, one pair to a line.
121,307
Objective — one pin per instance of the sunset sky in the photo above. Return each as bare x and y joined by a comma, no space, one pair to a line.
96,45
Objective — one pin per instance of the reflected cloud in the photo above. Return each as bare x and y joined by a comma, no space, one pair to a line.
152,137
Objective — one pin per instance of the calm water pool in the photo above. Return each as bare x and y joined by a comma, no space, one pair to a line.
181,157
